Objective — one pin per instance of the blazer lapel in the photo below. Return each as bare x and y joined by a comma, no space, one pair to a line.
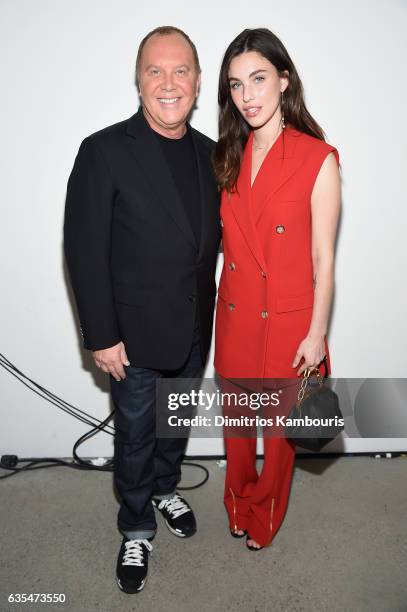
146,150
207,190
241,202
278,167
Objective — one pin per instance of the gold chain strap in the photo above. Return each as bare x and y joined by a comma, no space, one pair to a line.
304,383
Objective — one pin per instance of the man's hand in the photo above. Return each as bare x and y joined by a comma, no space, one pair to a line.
111,360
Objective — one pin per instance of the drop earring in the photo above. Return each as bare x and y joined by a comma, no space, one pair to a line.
282,110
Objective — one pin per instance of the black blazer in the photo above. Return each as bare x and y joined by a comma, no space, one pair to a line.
135,268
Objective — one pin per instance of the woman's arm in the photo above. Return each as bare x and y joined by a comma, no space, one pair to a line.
325,209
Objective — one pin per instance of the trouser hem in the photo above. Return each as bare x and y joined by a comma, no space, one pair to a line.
164,495
138,534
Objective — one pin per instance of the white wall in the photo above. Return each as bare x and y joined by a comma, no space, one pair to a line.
67,71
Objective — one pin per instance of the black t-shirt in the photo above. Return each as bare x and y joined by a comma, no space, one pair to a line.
180,156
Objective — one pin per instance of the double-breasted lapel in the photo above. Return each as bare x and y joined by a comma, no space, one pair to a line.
146,150
240,200
277,168
279,165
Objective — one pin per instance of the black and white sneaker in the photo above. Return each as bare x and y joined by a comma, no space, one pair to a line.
178,515
132,565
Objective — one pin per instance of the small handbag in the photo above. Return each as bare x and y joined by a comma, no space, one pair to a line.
315,403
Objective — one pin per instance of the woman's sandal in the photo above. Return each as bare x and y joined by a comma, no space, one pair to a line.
252,547
238,535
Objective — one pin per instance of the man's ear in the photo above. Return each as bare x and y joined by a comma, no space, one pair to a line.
198,85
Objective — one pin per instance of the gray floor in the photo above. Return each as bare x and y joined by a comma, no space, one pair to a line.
342,547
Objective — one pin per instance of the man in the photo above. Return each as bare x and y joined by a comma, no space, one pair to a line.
141,237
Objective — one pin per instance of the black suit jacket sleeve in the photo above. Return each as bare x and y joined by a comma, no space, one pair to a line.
87,245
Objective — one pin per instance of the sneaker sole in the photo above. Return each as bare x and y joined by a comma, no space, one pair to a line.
130,590
177,533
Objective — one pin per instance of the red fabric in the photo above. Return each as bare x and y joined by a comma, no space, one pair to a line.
266,270
257,502
273,271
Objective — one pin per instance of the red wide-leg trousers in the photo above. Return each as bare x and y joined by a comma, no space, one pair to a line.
256,502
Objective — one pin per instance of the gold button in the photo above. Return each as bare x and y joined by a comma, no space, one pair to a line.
263,274
280,229
264,314
232,266
231,306
221,223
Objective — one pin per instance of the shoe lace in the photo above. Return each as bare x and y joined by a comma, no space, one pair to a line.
134,554
175,505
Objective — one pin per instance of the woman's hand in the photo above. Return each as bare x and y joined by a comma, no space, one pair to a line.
313,351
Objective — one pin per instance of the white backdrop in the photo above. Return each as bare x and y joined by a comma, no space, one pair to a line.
68,71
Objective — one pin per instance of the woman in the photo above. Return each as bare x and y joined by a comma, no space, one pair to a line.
279,212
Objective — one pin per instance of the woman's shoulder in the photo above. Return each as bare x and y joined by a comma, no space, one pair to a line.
311,145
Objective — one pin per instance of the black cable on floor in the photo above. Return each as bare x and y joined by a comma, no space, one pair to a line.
10,462
48,395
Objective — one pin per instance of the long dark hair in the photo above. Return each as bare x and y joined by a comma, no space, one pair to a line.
233,129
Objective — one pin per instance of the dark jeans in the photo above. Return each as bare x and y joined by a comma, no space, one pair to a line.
144,465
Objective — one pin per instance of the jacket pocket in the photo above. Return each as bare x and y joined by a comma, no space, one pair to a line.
297,302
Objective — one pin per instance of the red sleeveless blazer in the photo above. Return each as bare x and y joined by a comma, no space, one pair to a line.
266,293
